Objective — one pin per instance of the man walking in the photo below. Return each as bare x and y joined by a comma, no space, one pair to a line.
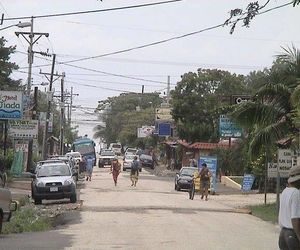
289,212
134,173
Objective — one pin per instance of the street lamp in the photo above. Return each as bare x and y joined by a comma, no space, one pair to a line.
19,25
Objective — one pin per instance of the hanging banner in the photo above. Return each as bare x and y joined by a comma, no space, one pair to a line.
11,105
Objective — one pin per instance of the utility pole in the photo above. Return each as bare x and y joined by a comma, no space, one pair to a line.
62,115
168,90
31,41
45,137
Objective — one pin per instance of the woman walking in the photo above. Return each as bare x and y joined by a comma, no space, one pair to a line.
89,168
115,169
134,173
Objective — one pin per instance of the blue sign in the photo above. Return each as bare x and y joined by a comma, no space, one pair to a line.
11,105
211,162
227,128
248,182
164,129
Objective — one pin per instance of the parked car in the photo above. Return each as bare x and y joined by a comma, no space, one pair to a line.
184,179
68,160
147,161
128,159
116,147
53,181
106,157
7,206
76,156
131,151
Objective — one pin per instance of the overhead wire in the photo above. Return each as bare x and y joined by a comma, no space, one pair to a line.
93,11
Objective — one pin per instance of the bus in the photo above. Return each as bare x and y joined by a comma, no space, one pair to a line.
86,147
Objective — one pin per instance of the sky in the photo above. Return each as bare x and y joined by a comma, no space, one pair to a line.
75,37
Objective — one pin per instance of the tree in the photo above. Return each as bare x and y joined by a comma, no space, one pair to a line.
273,114
197,98
7,67
246,16
120,116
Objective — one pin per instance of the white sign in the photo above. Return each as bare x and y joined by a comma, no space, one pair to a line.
145,131
284,162
24,129
272,170
11,105
163,114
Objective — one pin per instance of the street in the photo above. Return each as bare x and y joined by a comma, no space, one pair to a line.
150,216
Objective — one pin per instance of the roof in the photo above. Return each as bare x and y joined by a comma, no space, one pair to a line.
203,145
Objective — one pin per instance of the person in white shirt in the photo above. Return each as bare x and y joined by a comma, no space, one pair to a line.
289,212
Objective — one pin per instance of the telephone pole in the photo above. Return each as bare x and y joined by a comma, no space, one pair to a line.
168,90
62,115
45,136
31,41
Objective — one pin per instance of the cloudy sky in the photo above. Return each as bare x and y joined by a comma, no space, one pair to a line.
76,37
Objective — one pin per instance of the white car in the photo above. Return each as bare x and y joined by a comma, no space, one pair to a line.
116,147
131,151
128,159
53,181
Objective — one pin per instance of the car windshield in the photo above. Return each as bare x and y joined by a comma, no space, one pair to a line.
129,157
107,153
187,171
48,170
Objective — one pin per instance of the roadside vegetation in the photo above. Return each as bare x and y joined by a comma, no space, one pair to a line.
27,219
266,212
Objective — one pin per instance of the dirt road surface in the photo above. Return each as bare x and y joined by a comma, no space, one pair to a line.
153,216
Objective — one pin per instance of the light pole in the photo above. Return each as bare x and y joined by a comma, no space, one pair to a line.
31,41
19,25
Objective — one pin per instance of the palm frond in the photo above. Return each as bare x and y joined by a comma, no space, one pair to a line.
250,114
264,137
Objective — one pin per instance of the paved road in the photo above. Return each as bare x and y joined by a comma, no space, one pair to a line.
152,216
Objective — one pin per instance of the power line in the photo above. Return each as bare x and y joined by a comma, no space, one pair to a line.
112,74
121,83
164,40
93,11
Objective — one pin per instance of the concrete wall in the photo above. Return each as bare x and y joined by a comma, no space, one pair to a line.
230,183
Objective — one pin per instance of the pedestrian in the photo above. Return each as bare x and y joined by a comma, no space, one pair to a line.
89,168
115,169
289,212
134,173
204,181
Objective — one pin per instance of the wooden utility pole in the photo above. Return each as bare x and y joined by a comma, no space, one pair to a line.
62,115
45,137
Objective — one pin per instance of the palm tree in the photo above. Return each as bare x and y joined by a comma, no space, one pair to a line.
274,113
99,131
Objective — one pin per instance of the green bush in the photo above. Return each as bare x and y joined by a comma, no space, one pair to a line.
26,220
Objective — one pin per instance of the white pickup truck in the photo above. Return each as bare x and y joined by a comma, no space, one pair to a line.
7,206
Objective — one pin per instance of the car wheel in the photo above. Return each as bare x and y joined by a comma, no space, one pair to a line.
37,201
73,198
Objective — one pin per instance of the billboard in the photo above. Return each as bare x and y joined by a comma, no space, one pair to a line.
23,129
145,131
163,114
11,105
211,162
227,128
164,129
